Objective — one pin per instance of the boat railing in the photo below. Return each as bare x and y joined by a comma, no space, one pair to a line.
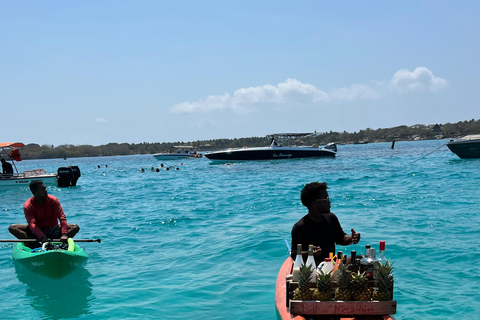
34,173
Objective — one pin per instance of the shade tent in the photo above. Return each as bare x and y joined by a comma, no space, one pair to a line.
11,145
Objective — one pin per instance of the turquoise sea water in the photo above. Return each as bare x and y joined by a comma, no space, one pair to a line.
206,241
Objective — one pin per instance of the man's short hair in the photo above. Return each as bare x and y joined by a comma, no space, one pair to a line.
34,184
310,192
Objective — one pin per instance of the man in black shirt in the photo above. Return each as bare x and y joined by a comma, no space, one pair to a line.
319,227
7,168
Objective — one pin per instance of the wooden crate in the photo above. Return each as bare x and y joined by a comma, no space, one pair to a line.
338,308
343,308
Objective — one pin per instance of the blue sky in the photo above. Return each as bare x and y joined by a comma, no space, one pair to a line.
94,72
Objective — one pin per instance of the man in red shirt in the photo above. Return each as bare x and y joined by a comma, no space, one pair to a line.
43,213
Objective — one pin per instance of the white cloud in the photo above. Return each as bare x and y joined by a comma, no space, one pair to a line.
355,92
244,99
100,120
293,91
419,79
211,103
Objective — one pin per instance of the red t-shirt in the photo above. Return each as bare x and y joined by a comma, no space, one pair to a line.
44,215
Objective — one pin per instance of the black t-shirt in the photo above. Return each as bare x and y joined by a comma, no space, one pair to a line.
7,167
324,234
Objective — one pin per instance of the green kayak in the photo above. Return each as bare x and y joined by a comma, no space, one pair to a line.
55,264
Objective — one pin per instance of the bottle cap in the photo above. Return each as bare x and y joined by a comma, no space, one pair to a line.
353,256
328,259
382,245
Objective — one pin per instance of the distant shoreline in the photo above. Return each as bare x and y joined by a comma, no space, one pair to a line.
416,132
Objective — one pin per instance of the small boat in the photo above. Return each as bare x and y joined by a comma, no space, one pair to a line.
466,147
178,152
283,303
55,264
275,151
65,176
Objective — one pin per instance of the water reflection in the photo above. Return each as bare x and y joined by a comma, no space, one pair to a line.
68,297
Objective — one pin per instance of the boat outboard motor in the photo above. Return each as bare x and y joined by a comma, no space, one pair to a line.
64,176
331,146
76,175
68,176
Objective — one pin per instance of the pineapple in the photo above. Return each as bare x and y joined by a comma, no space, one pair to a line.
343,278
384,281
303,291
324,286
360,290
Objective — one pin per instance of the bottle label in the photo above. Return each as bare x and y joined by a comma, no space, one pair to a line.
369,271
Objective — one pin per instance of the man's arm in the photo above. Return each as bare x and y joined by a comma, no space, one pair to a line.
295,241
32,224
61,216
349,239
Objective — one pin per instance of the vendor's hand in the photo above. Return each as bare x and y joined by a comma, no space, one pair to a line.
64,238
355,237
45,239
317,250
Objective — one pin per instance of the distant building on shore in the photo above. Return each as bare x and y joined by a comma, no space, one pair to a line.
436,129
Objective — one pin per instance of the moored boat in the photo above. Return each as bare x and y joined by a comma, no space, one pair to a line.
339,309
65,176
177,153
55,264
275,151
466,147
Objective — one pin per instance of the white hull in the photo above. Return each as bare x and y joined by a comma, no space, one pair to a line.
173,156
22,181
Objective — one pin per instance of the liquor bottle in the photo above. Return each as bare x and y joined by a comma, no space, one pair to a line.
298,263
339,257
353,258
357,264
311,262
338,263
367,248
367,264
381,253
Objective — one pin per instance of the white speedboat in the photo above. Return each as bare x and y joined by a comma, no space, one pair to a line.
65,176
466,147
275,151
178,152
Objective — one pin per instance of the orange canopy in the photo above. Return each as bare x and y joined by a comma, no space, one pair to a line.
11,145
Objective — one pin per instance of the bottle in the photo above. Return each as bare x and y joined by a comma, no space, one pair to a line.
326,266
353,258
367,247
367,264
311,262
71,244
339,257
357,264
298,263
381,253
337,264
